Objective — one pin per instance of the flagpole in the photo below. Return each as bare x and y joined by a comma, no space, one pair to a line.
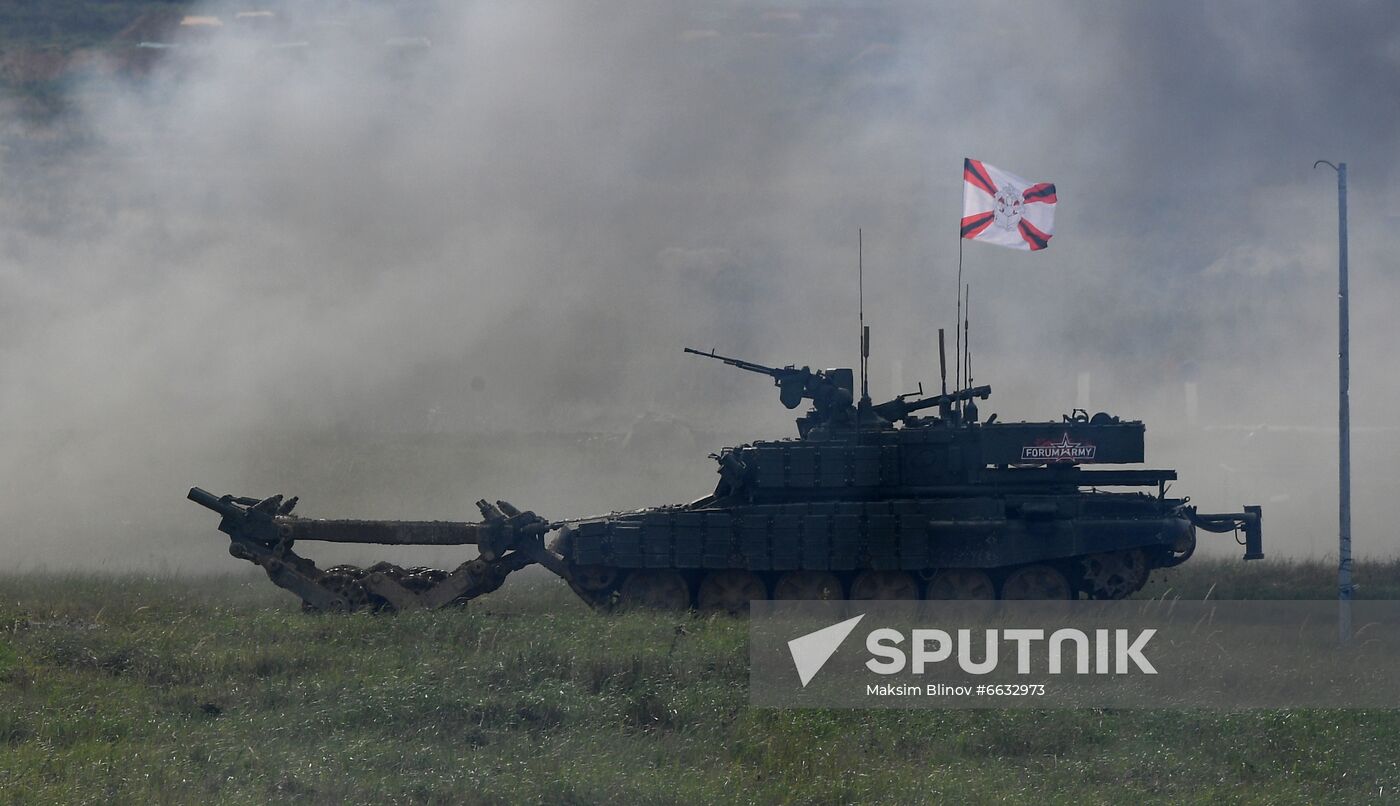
957,335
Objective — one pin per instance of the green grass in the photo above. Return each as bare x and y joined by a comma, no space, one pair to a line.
1271,579
219,690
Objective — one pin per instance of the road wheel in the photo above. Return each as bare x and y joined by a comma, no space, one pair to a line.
730,592
961,583
594,577
821,585
1035,582
1115,574
655,590
884,585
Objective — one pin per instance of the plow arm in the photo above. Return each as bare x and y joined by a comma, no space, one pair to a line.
263,532
1250,522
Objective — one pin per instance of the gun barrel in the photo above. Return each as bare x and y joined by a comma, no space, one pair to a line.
898,409
737,362
970,393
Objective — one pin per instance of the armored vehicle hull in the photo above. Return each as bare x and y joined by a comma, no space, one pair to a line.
1042,547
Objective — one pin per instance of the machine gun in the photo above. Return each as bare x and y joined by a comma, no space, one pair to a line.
831,391
900,408
832,394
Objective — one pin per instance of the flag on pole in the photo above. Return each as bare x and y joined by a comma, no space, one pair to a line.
1004,209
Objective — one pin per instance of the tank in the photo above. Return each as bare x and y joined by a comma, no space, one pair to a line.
915,497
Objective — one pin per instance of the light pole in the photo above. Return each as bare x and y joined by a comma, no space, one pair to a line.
1344,587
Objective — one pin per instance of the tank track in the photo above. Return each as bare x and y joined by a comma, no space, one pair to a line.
1106,575
386,587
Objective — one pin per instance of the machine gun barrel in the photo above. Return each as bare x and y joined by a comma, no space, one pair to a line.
796,384
741,363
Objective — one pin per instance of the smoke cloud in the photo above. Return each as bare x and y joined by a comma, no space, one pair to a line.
394,280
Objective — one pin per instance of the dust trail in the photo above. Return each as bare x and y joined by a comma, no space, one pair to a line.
393,281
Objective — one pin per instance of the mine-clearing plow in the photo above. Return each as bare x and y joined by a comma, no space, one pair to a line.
264,532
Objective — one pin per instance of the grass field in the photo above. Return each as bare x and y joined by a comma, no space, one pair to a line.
219,690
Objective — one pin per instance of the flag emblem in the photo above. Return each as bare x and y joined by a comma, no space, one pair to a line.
1004,209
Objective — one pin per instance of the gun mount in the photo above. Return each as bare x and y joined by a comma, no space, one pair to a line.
834,408
831,391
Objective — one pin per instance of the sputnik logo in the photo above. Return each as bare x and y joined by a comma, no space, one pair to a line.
810,652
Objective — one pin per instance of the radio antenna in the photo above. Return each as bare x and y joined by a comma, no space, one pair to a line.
967,335
942,363
967,339
966,299
864,331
